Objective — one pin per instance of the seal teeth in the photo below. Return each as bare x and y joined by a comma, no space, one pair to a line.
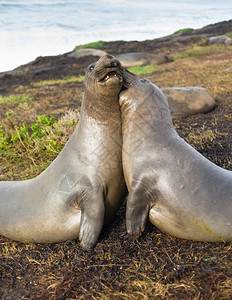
109,75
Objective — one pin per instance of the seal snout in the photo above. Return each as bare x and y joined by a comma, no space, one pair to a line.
114,62
110,61
108,68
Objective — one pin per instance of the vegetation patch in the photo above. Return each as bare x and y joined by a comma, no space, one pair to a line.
40,141
204,137
183,30
20,98
98,44
197,51
207,72
140,70
59,81
229,35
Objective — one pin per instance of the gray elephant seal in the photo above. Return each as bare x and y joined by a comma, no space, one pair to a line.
84,186
86,52
183,193
132,59
185,101
220,39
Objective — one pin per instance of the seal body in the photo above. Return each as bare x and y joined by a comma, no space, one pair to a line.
86,52
220,39
183,193
132,59
84,186
185,101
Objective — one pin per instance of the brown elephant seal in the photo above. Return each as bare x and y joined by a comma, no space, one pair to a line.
183,193
84,186
185,101
132,59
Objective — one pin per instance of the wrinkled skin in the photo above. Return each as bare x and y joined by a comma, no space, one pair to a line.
181,192
84,186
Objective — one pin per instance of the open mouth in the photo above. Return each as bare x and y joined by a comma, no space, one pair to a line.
109,75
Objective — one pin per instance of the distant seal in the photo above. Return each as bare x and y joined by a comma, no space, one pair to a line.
84,185
185,101
86,52
183,193
220,39
132,59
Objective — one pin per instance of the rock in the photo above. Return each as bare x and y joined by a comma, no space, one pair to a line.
228,41
86,52
220,39
132,59
42,70
228,69
184,101
215,29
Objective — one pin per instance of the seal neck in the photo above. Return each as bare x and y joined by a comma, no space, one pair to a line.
146,107
101,108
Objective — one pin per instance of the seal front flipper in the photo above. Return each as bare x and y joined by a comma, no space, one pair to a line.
137,210
92,217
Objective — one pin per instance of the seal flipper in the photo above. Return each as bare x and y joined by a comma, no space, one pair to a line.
137,211
92,217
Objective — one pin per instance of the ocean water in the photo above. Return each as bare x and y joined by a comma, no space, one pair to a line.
32,28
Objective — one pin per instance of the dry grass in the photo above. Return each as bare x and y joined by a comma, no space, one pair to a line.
205,72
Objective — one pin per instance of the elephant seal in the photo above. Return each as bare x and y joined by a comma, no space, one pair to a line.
220,39
132,59
86,52
84,186
185,101
183,193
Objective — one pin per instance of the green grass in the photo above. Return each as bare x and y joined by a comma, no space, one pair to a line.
41,141
200,51
59,81
98,44
229,35
195,52
140,70
183,30
28,135
20,98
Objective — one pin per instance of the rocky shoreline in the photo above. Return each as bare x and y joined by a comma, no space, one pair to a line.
65,63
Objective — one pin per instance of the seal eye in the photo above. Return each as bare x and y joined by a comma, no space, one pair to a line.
91,67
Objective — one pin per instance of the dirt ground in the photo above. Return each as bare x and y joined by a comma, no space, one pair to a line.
156,265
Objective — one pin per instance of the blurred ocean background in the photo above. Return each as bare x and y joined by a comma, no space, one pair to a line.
32,28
